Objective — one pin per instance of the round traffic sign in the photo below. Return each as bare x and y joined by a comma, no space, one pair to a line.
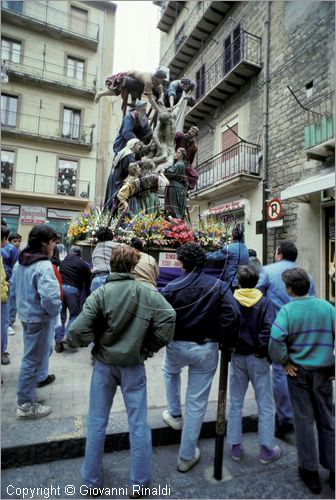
274,209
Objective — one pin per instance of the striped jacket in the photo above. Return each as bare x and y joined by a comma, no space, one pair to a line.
304,333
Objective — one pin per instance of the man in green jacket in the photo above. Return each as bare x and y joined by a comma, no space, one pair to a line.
126,319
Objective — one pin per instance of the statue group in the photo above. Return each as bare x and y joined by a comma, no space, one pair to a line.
153,156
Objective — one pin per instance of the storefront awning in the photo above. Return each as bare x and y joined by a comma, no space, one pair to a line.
310,185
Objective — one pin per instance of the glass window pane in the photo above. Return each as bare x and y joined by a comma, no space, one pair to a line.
5,49
16,52
7,168
71,67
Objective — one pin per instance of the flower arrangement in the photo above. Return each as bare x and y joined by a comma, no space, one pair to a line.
211,235
153,230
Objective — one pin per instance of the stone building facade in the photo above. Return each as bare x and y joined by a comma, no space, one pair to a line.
261,69
56,141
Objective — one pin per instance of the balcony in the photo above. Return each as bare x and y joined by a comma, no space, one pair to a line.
232,171
24,126
29,185
238,63
168,14
194,32
49,74
319,131
41,17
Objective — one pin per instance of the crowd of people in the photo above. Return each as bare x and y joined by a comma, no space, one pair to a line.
279,336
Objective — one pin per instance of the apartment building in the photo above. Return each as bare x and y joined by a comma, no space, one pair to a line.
56,141
264,107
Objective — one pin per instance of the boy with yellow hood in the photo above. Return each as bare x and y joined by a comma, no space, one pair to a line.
250,362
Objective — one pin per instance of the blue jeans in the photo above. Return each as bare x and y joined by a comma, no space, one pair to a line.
12,304
282,401
104,382
202,362
257,370
71,301
4,326
43,374
98,280
35,349
311,394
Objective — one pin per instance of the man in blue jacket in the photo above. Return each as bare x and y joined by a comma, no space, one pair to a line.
206,315
38,302
271,284
233,255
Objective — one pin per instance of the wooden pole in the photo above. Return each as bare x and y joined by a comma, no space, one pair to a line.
221,409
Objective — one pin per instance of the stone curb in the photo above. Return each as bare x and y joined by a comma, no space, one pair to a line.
71,446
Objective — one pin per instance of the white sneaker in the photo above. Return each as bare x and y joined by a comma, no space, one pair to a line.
175,423
11,331
32,410
185,465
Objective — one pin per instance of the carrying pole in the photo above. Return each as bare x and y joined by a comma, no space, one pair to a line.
221,410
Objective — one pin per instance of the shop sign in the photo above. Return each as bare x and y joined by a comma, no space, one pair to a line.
168,259
225,207
33,215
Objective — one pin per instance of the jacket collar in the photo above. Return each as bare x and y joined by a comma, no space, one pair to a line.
119,277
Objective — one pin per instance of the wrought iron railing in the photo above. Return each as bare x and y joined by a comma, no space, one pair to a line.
43,184
42,12
245,47
187,27
44,127
242,158
320,126
49,71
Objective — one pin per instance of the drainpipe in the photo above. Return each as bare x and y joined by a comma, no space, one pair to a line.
265,127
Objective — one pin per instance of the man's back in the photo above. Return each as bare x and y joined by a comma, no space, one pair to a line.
75,272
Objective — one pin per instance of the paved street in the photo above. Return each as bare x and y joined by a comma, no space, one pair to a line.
68,395
245,479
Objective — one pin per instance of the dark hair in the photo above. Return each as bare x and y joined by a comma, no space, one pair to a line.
124,258
14,236
4,231
288,251
137,244
41,233
160,73
252,253
297,279
247,276
76,250
3,222
192,256
104,234
237,233
184,153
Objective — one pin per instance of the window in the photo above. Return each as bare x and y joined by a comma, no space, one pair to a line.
232,49
14,5
230,139
10,50
78,19
75,68
8,110
67,177
71,123
7,168
200,82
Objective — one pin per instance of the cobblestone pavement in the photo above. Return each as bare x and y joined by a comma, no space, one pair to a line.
68,395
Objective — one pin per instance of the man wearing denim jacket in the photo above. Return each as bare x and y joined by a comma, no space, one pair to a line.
38,302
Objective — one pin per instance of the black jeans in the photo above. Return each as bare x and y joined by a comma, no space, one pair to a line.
311,396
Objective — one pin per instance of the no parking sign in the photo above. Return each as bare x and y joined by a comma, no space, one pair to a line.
274,209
